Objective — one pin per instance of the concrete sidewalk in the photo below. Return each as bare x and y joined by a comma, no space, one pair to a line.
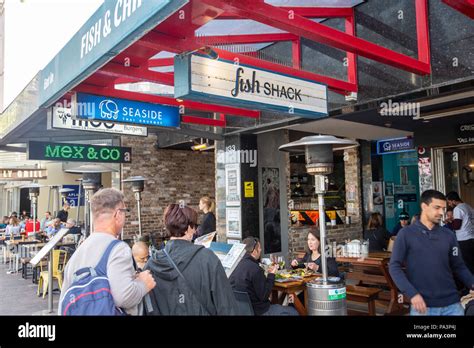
18,295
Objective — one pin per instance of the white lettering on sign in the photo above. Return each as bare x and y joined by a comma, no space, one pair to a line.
22,174
123,10
150,114
62,119
467,128
247,84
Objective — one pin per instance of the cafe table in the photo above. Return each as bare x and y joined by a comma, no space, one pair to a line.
373,270
292,287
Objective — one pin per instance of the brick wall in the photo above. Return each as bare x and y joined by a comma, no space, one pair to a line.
173,175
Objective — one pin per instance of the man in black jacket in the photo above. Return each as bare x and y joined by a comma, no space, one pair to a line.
250,278
63,214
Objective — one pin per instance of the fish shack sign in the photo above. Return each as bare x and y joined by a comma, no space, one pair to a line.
225,82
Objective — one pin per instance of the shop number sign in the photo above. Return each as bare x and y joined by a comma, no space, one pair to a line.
45,151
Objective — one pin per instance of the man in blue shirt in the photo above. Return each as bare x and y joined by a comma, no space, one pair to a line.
432,257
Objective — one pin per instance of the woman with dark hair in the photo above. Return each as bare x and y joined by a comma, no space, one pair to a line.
190,278
377,235
313,257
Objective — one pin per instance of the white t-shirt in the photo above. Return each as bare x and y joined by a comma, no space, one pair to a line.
465,213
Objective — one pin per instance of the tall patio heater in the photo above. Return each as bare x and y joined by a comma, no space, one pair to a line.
326,296
33,190
138,185
91,182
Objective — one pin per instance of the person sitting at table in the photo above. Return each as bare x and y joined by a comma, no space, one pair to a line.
30,228
313,257
404,219
5,222
53,228
377,235
46,220
13,228
250,278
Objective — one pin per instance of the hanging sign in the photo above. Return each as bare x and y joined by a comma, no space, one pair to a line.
395,145
45,151
225,82
61,119
106,109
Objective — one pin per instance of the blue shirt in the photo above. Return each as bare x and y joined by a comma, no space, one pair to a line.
431,257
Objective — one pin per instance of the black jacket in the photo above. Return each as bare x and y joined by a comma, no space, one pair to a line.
62,215
330,262
250,278
208,224
203,272
378,239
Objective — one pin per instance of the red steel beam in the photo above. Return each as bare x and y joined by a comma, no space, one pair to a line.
116,93
246,39
334,84
466,7
159,62
203,121
423,31
296,53
163,42
139,74
303,27
311,12
351,57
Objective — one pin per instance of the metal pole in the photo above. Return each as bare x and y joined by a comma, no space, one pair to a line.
138,199
91,218
50,282
33,206
49,199
78,204
322,230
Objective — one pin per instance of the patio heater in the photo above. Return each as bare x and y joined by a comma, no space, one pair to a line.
138,184
326,296
91,182
33,190
78,212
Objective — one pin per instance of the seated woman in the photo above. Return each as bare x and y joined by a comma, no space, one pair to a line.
13,229
313,257
377,235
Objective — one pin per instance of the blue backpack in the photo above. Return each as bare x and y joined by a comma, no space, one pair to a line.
89,293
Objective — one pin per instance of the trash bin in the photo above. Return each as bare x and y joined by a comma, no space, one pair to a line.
327,298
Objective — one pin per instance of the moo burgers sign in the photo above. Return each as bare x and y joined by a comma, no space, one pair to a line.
224,82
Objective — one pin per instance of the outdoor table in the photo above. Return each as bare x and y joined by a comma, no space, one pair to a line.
291,288
373,269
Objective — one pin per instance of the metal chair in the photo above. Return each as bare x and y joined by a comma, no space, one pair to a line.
59,263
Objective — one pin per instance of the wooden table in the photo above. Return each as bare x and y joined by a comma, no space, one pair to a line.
291,288
373,270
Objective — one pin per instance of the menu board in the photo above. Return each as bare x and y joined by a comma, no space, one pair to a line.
49,246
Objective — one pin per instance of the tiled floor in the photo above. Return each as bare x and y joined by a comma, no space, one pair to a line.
18,296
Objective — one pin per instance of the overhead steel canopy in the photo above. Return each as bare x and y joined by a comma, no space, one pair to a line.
123,45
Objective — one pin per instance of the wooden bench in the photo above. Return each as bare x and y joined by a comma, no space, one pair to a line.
362,294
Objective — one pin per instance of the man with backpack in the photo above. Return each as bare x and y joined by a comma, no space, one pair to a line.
100,279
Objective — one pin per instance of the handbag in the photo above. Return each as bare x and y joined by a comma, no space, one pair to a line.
186,282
